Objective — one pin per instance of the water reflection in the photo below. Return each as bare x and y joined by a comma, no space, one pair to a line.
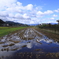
28,40
29,45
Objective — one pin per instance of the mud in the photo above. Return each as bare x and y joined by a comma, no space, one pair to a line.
28,44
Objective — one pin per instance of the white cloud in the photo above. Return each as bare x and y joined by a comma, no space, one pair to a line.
40,13
3,14
14,10
11,15
55,15
48,12
18,15
6,3
25,15
19,4
52,18
29,7
49,20
56,10
35,21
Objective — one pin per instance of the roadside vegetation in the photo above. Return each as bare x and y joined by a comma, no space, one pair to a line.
52,31
49,27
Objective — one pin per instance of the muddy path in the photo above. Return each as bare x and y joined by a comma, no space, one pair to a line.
28,44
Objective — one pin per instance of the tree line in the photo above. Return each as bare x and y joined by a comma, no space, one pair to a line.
49,26
11,23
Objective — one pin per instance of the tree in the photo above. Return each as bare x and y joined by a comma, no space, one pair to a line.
1,21
58,21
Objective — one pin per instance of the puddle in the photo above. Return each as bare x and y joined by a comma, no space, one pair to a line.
27,43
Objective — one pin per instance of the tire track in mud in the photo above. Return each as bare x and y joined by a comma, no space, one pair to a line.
9,42
29,34
29,38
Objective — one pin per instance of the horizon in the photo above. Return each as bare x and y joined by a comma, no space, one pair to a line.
29,12
32,24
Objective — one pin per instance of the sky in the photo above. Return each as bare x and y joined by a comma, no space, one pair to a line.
29,11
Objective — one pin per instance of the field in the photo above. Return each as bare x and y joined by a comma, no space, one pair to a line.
7,30
28,43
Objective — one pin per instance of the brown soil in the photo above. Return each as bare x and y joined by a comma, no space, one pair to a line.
49,34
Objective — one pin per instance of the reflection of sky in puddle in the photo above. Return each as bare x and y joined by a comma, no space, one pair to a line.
44,43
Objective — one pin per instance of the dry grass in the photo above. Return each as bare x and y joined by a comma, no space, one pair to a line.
53,55
14,41
2,42
5,49
49,34
38,49
24,45
8,45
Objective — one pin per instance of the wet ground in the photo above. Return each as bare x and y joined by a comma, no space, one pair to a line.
28,44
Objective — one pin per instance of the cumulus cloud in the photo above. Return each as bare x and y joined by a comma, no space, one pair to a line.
44,13
11,15
3,14
29,7
40,13
48,12
14,10
25,16
6,3
56,10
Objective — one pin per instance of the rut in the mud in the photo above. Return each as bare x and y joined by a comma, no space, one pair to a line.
27,41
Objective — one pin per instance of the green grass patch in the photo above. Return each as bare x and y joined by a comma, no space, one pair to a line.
7,30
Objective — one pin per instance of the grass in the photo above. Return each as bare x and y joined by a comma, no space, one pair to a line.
7,30
38,49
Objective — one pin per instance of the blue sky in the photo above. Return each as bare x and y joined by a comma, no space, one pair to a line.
45,4
29,11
